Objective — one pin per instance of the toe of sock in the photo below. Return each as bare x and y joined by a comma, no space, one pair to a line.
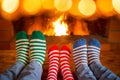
21,35
66,48
79,42
55,47
37,35
94,42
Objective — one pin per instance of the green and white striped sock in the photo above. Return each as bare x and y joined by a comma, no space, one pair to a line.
22,46
37,47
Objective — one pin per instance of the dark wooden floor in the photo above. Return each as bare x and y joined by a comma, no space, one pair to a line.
110,55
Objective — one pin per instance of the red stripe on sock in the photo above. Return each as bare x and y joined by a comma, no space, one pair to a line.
64,63
53,56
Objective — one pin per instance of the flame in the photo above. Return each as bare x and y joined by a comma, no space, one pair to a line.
60,27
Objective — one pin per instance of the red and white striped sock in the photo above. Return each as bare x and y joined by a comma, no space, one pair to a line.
53,56
64,63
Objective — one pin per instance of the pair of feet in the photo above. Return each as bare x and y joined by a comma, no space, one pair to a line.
36,45
84,56
59,59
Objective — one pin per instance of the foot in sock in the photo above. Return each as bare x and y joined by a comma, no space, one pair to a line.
101,72
64,63
37,47
80,59
22,46
53,56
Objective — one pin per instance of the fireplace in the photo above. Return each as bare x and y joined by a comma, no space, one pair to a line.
104,27
71,25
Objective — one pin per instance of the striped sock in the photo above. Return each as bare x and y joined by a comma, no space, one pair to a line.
93,51
80,59
64,63
100,71
53,56
37,47
22,46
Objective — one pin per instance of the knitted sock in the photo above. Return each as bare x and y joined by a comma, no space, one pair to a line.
22,46
37,47
53,56
64,63
101,72
80,59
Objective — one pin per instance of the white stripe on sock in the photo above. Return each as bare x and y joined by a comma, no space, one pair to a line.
93,50
22,46
38,51
54,51
79,53
37,54
34,47
64,51
64,58
21,40
94,60
37,44
57,55
64,66
80,47
80,50
93,47
64,62
39,40
67,75
22,43
64,55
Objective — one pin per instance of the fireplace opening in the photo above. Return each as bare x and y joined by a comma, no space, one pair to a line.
62,25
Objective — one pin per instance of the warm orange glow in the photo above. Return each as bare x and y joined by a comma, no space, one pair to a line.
35,26
63,5
60,28
32,6
105,7
74,9
116,5
10,6
87,7
80,28
48,4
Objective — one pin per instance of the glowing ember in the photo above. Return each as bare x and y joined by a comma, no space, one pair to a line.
60,28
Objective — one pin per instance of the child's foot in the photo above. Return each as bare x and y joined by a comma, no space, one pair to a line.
53,56
65,63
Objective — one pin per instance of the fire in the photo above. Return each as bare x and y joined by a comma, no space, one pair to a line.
60,27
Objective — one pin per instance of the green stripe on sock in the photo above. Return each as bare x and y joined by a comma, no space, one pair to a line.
37,47
22,46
